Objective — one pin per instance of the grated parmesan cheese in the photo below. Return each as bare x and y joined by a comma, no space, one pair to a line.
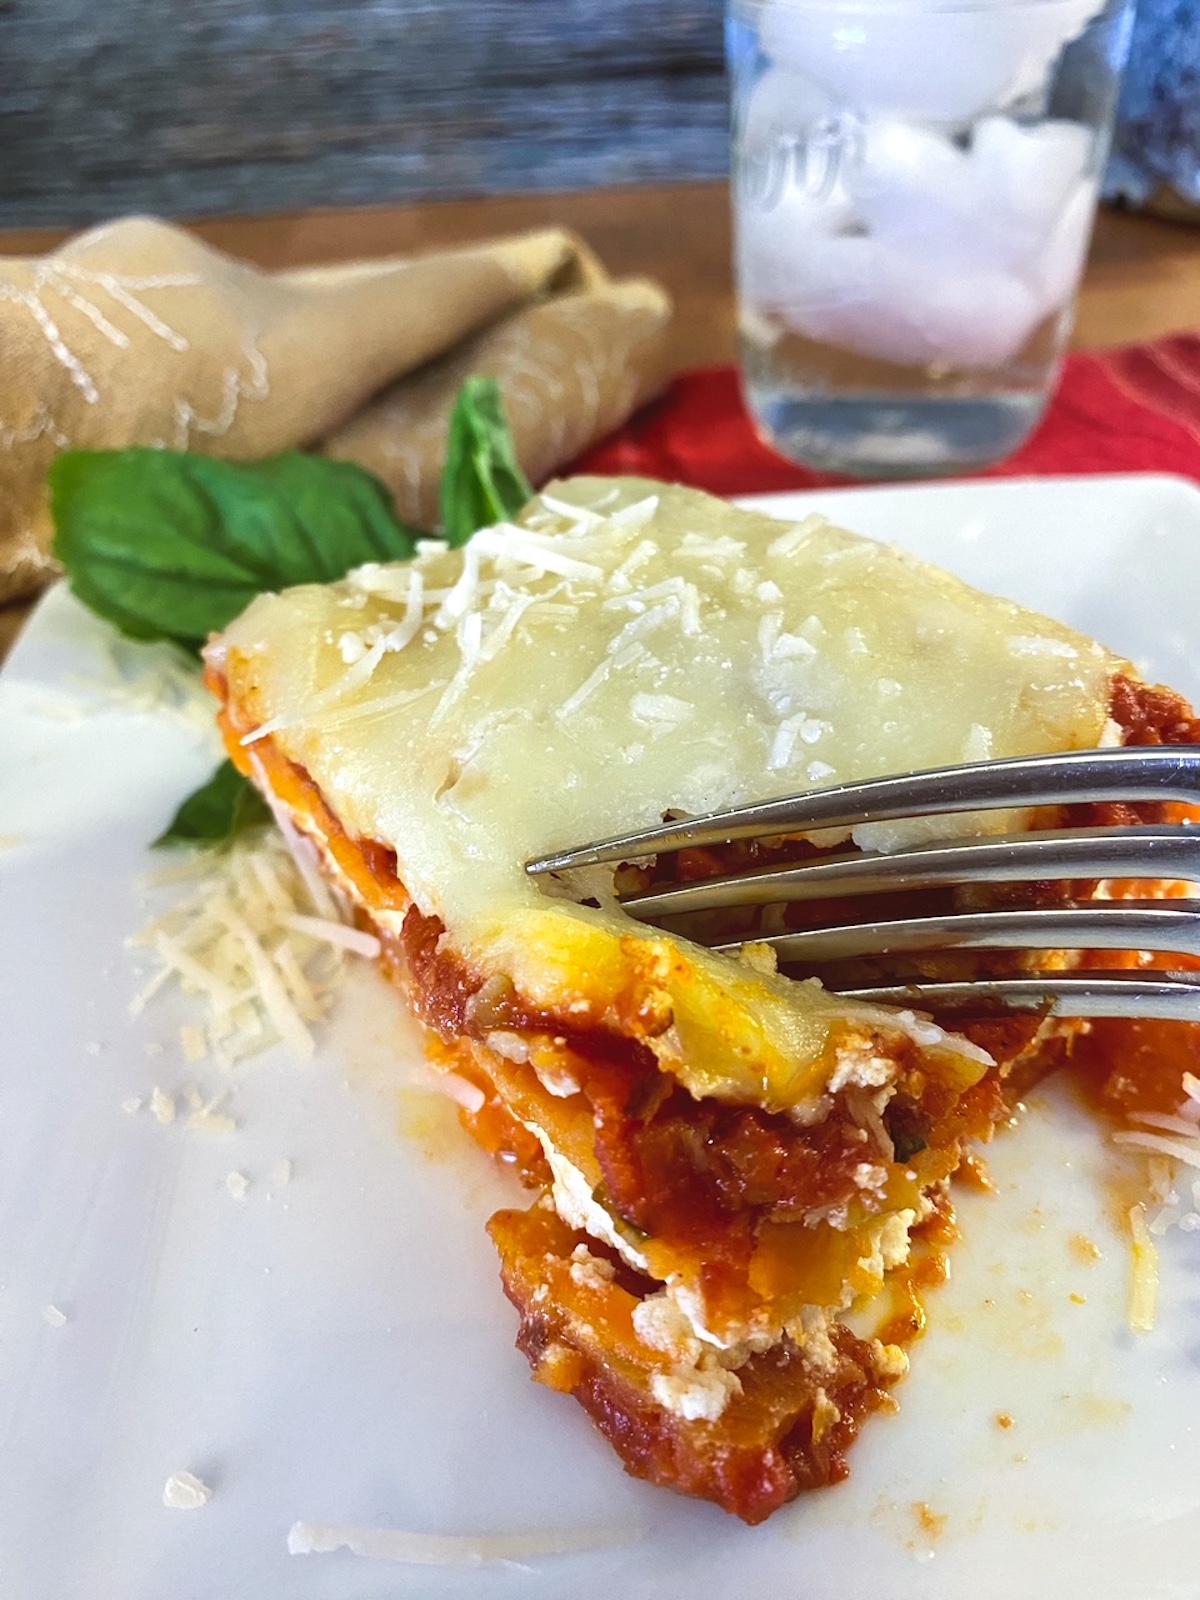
142,677
788,543
1169,1124
354,677
55,1317
184,1491
647,622
447,1549
594,679
195,1045
162,1106
663,709
1172,1144
784,742
262,942
1186,1151
1026,645
585,517
351,647
637,557
1143,1288
792,647
977,746
205,1120
637,515
541,552
721,547
464,1093
337,933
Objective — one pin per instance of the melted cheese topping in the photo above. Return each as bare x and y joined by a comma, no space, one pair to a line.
629,648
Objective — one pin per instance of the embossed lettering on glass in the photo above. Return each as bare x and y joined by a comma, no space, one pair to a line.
914,186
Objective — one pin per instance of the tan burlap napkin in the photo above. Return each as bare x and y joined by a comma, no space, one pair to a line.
138,333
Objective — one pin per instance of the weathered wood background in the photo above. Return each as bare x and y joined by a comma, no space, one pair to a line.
207,106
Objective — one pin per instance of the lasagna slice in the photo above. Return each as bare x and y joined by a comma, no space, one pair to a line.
739,1178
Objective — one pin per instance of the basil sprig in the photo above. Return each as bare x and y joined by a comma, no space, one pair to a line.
220,809
482,482
169,545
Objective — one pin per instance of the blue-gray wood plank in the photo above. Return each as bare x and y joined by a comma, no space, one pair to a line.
192,107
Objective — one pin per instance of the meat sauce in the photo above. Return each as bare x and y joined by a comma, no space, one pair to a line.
1137,1064
705,1173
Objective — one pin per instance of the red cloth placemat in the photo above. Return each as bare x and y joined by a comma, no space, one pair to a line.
1131,409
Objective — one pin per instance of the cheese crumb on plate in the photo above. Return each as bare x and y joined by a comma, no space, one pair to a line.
184,1491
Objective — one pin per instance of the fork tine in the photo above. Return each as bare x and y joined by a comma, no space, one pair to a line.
1169,996
1163,772
1153,851
1100,924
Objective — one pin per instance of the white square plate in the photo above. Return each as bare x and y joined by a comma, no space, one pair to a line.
339,1350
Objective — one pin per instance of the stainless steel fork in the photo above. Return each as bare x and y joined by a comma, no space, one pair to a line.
1149,852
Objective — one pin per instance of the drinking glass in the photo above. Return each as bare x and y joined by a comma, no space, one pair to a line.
914,185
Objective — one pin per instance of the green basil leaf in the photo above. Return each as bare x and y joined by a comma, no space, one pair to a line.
481,481
169,545
220,809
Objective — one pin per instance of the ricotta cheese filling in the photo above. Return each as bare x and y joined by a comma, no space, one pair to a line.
578,1207
675,1318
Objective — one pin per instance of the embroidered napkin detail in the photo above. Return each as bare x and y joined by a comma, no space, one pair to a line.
137,333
